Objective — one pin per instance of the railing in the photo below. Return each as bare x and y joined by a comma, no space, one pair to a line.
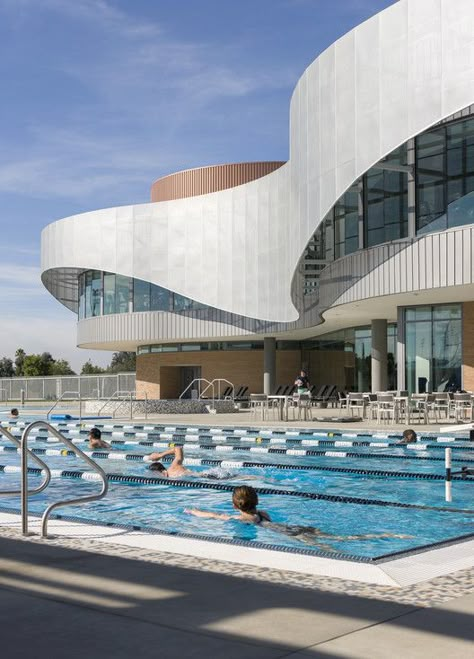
119,397
24,477
3,394
44,467
218,381
199,380
63,397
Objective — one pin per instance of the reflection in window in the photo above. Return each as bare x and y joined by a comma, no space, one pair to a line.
445,177
159,298
386,206
109,293
346,223
433,348
141,295
122,294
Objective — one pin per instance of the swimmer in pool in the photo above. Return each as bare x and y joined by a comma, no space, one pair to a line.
14,413
409,437
245,500
177,470
95,439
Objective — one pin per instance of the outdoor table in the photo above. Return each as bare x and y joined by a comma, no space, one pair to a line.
282,405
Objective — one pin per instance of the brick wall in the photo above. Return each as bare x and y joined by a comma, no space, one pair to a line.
158,374
468,346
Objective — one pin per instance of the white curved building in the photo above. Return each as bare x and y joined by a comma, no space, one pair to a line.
354,258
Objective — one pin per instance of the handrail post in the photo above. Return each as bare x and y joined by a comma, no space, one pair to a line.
24,486
24,477
80,408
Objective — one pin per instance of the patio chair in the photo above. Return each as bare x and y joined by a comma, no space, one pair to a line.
259,405
461,407
441,403
301,404
356,401
385,407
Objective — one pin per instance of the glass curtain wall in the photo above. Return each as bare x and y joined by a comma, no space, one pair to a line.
109,293
445,177
433,347
351,350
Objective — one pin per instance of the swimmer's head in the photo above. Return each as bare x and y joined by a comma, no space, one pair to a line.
409,436
14,412
158,466
95,433
245,498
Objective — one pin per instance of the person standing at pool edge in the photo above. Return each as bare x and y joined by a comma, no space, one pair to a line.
302,382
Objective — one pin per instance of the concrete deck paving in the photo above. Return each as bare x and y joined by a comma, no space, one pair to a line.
58,601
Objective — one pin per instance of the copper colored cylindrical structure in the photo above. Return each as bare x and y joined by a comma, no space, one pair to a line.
193,182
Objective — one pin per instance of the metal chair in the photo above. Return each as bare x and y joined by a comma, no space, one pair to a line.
259,405
385,407
461,407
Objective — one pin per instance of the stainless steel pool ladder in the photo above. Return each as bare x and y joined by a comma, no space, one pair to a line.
24,477
6,433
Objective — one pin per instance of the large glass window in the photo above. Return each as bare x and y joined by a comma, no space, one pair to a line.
109,293
433,348
122,294
346,223
386,206
92,293
346,357
159,298
141,295
445,177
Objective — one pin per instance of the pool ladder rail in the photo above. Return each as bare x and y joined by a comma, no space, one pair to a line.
47,472
24,476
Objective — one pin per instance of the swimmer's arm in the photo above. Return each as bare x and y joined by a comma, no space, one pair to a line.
177,451
208,514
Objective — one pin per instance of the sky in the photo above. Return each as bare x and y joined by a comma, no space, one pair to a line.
99,98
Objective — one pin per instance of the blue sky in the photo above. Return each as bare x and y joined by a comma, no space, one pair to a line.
101,97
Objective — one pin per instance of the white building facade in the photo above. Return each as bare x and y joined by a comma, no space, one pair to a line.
353,259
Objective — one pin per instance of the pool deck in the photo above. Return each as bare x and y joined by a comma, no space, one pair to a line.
98,595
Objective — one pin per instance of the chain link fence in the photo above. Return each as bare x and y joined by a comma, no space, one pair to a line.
53,387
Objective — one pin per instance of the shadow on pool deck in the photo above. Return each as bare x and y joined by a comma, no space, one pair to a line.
59,602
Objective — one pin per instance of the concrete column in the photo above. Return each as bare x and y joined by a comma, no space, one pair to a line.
269,364
379,355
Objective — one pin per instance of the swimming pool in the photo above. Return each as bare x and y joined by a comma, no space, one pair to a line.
345,484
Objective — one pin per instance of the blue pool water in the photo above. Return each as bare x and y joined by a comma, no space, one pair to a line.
428,520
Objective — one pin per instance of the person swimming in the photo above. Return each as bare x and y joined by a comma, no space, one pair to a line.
14,413
177,470
95,439
409,437
245,501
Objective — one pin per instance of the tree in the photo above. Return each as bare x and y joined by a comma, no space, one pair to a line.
60,367
20,355
6,368
90,369
33,365
123,362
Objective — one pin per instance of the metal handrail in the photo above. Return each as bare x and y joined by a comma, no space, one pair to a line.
200,392
24,477
44,467
219,380
120,395
61,397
